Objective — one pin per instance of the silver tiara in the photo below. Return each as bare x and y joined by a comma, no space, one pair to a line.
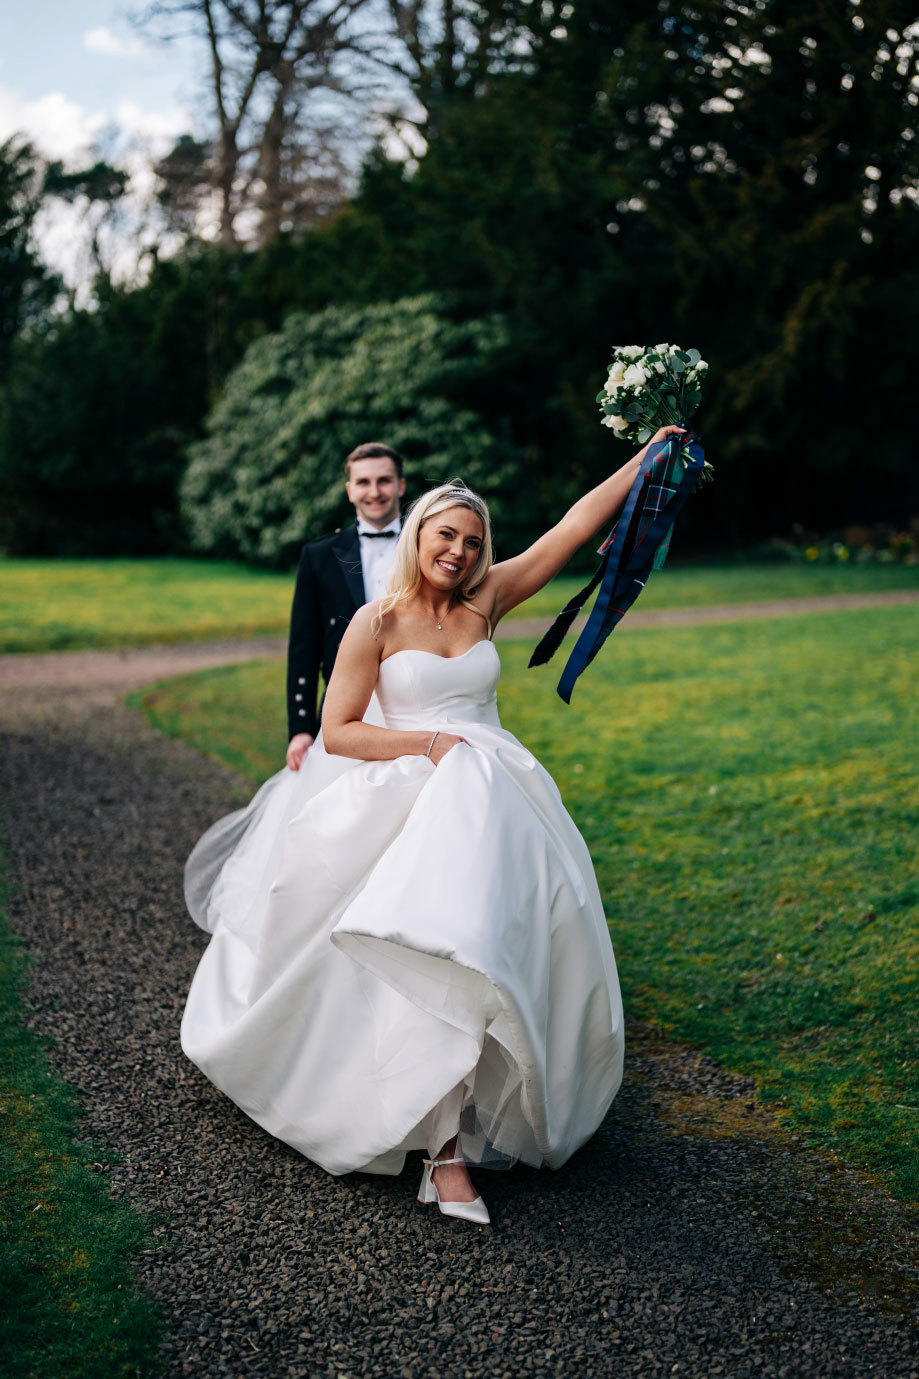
460,493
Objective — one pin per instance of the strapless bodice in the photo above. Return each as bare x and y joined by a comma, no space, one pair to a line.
419,689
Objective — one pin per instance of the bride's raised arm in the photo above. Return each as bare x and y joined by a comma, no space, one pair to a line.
513,581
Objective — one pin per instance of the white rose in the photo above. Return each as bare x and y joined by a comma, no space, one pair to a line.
660,368
619,423
661,349
635,376
701,366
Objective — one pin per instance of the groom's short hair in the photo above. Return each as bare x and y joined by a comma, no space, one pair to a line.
372,451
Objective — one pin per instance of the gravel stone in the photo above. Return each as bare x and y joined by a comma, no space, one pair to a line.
665,1247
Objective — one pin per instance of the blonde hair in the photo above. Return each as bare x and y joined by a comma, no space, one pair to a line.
405,579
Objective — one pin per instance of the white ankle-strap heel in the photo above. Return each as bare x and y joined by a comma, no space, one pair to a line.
476,1211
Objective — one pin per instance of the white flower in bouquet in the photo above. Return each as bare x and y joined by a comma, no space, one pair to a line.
649,387
635,376
613,383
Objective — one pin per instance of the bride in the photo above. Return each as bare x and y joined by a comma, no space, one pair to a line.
409,949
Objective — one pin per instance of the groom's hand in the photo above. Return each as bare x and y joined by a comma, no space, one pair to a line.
297,749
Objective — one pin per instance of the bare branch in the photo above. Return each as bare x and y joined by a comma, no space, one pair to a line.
273,67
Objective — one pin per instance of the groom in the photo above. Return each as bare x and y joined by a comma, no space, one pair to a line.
336,575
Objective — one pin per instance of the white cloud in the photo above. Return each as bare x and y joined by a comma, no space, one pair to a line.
61,128
61,234
132,138
158,128
104,40
58,126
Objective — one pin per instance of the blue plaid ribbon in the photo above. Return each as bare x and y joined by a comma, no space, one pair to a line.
666,477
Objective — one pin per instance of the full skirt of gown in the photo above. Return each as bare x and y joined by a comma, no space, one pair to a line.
385,932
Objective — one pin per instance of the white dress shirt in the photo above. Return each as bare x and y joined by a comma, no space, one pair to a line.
377,556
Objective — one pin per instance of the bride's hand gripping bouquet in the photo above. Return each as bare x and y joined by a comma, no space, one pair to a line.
650,387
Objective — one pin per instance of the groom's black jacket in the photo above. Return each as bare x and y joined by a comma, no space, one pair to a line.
328,592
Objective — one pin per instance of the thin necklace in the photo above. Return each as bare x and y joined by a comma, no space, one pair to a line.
440,625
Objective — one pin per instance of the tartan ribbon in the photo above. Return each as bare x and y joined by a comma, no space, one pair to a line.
666,477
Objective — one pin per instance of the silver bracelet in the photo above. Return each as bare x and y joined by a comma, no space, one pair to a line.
431,744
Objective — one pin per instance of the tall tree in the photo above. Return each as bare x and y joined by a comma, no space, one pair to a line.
98,192
771,148
26,287
274,67
185,178
736,174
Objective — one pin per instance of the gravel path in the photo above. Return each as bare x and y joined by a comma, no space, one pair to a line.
686,1238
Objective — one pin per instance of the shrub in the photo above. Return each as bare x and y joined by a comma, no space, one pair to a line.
270,472
87,465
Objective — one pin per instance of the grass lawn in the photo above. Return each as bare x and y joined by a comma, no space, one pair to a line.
63,605
57,605
699,586
68,1300
748,792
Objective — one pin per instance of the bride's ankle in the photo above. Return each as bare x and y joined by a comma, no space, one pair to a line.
453,1183
449,1150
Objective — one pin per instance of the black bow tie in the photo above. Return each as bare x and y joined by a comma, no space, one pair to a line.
373,535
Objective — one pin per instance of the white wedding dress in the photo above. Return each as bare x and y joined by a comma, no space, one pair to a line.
388,936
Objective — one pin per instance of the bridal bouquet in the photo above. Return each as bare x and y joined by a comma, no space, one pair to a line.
651,387
646,389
